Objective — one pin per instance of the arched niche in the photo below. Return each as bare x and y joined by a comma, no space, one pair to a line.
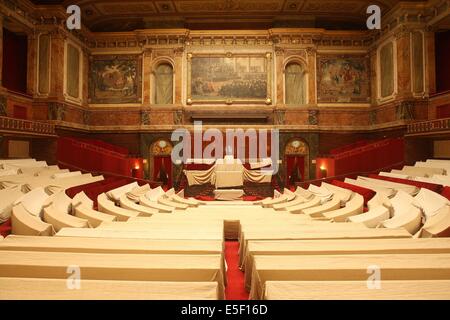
296,161
162,82
160,162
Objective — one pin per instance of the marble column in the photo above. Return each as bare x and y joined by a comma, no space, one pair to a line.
147,74
373,75
404,63
178,76
85,79
279,71
57,64
31,63
312,99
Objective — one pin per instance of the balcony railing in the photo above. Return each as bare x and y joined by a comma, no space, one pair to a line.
26,127
429,126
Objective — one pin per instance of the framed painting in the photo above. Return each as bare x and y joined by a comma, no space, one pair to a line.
115,79
229,78
343,79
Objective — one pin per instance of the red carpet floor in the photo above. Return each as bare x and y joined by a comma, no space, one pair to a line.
235,289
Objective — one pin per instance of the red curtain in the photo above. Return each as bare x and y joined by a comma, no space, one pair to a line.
292,162
158,161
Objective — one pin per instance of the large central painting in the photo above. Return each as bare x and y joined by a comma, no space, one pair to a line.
343,79
229,78
115,79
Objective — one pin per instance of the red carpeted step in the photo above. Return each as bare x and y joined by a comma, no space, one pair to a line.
235,289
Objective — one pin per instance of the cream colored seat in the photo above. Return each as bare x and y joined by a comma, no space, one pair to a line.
137,192
411,220
107,206
65,175
190,202
61,220
82,199
56,289
385,191
442,165
430,202
421,171
23,223
373,217
99,266
347,268
316,212
412,190
315,201
130,205
357,290
167,202
352,208
341,247
379,200
437,225
33,201
143,200
343,193
303,192
394,175
94,217
268,203
115,194
7,199
285,205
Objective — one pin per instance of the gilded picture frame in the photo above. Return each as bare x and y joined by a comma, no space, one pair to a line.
115,79
229,78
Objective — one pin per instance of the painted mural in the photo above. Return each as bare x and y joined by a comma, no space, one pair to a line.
343,79
115,79
228,77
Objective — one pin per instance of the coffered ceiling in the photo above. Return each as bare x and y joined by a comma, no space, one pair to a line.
127,15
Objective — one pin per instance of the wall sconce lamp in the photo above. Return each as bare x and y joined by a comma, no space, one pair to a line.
323,171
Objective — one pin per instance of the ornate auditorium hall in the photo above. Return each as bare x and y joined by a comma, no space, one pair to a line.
224,150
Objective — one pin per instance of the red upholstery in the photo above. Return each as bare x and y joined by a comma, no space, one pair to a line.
430,186
5,228
367,194
204,198
252,198
446,192
349,147
97,156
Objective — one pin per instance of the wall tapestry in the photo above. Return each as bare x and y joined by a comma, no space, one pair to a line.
115,79
343,79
